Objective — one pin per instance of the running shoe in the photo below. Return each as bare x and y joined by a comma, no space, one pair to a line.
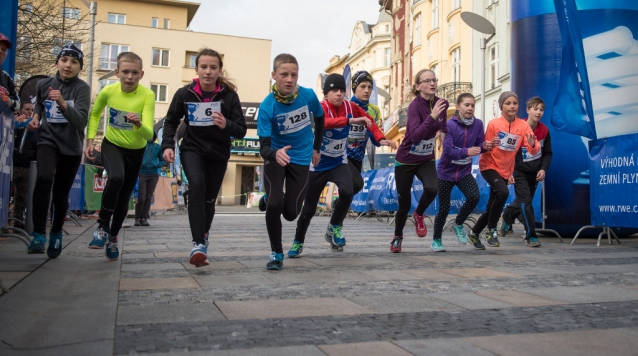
37,243
395,245
533,242
334,233
491,237
198,255
506,229
475,239
55,245
137,222
276,261
99,238
263,203
437,245
296,249
461,236
206,240
112,252
419,224
144,222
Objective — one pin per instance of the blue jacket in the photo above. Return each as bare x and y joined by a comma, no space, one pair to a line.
455,163
153,159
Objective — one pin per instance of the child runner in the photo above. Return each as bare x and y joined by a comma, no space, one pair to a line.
149,177
464,140
508,133
22,157
358,137
60,116
426,116
528,171
287,147
212,114
333,167
130,115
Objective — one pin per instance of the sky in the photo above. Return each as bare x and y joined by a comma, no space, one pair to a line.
311,30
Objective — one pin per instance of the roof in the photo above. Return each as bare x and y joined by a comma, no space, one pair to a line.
384,17
192,6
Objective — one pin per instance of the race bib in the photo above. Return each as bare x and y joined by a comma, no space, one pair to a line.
54,112
293,121
509,142
357,131
118,120
423,148
527,157
463,161
199,114
333,148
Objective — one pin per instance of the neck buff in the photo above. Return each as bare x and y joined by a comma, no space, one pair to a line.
466,122
360,103
285,99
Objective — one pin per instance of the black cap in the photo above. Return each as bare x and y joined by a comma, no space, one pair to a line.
334,81
71,50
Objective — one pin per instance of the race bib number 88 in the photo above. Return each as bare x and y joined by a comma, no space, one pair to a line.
293,121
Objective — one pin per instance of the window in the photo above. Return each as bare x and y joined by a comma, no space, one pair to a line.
387,28
167,24
58,44
417,30
160,57
493,77
154,22
70,13
456,4
104,82
435,69
387,57
191,60
108,56
117,18
435,14
160,92
24,47
456,65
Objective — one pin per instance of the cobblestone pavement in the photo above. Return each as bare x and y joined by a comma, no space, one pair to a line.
512,300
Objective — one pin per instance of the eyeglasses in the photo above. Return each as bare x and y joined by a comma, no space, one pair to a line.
428,81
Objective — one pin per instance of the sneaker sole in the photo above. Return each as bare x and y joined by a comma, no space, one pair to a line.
274,268
479,248
199,259
54,253
32,252
93,247
495,245
113,259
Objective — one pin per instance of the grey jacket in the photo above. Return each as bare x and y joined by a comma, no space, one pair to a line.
67,137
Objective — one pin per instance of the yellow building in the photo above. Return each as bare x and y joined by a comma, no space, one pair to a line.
158,31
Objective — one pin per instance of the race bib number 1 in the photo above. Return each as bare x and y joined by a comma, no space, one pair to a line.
293,121
54,112
509,142
118,119
199,114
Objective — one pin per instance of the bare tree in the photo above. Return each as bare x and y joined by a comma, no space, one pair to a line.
44,26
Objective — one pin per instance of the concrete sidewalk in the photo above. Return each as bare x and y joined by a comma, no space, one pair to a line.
512,300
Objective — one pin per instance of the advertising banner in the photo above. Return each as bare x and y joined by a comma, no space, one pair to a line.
76,194
6,160
614,181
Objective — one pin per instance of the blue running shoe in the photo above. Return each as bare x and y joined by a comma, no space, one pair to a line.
263,203
506,229
206,240
198,255
112,252
99,238
461,236
437,245
533,242
296,249
37,243
55,245
334,232
276,261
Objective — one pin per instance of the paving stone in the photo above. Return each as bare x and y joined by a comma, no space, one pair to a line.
478,273
470,301
350,261
291,308
430,274
403,304
11,278
449,347
214,266
379,348
236,280
151,267
288,262
144,248
182,255
518,298
584,294
167,313
157,283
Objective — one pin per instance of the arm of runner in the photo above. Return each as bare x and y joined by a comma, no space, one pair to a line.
450,151
547,153
265,150
529,140
319,126
171,122
148,117
96,111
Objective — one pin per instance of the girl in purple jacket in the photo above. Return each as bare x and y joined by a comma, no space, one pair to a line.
415,156
465,139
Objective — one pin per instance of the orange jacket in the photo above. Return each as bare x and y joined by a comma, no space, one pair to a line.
513,137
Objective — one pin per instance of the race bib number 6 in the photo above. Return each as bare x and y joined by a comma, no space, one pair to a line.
293,121
199,114
54,111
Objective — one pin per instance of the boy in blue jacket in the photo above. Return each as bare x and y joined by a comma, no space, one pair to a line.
148,180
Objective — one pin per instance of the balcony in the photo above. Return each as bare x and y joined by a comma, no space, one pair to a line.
450,91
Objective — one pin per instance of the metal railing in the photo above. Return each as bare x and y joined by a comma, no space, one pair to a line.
450,91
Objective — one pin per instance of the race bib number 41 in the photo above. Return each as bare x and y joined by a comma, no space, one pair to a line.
54,112
118,119
509,142
293,121
333,148
199,114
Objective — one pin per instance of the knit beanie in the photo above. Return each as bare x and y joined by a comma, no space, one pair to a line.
70,50
359,77
504,95
334,81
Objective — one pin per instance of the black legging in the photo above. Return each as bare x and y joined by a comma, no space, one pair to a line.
205,178
355,172
58,171
145,191
122,166
467,185
404,176
522,209
340,176
498,197
287,204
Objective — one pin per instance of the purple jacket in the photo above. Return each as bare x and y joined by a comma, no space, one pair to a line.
455,163
420,128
